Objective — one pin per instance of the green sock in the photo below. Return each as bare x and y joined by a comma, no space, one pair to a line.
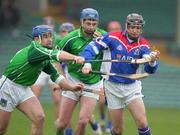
60,132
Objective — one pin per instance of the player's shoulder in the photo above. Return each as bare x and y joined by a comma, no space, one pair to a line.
115,34
70,36
143,40
73,33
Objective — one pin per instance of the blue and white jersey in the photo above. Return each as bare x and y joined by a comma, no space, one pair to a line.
121,48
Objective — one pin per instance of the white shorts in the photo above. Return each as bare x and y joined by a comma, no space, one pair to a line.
120,95
12,94
106,66
44,79
76,95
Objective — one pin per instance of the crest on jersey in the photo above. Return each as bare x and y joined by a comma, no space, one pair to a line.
137,52
119,47
3,102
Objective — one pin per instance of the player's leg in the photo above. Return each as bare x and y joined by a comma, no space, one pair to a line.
97,129
37,89
95,125
5,106
108,124
137,109
102,110
93,122
115,104
117,119
4,121
67,106
56,96
32,108
87,107
40,82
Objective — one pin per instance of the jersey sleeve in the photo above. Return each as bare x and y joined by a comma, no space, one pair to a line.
94,47
37,53
51,70
151,69
144,47
145,51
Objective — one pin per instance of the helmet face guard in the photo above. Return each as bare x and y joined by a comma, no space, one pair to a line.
135,19
89,13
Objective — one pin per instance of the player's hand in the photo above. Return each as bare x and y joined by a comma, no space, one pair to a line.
86,69
78,87
79,60
97,34
154,55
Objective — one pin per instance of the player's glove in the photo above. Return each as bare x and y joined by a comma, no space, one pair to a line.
154,56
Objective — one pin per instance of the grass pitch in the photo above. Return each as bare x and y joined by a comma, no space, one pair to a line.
163,121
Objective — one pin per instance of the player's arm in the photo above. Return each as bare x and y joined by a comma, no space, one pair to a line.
60,79
59,68
153,56
38,53
94,47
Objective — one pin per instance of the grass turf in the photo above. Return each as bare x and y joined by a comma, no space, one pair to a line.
163,121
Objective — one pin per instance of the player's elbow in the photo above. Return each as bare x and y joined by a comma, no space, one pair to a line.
150,71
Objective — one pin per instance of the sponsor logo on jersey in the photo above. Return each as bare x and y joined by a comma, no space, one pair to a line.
123,57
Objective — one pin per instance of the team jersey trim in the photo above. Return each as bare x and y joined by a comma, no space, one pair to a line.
49,54
57,56
69,41
138,46
95,49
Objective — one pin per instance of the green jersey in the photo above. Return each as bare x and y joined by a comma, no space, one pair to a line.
74,43
25,67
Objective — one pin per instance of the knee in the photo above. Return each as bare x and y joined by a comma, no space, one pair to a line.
83,121
39,118
3,128
118,130
61,124
142,123
56,100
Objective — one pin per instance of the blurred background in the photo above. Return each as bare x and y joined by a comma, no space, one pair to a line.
162,28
